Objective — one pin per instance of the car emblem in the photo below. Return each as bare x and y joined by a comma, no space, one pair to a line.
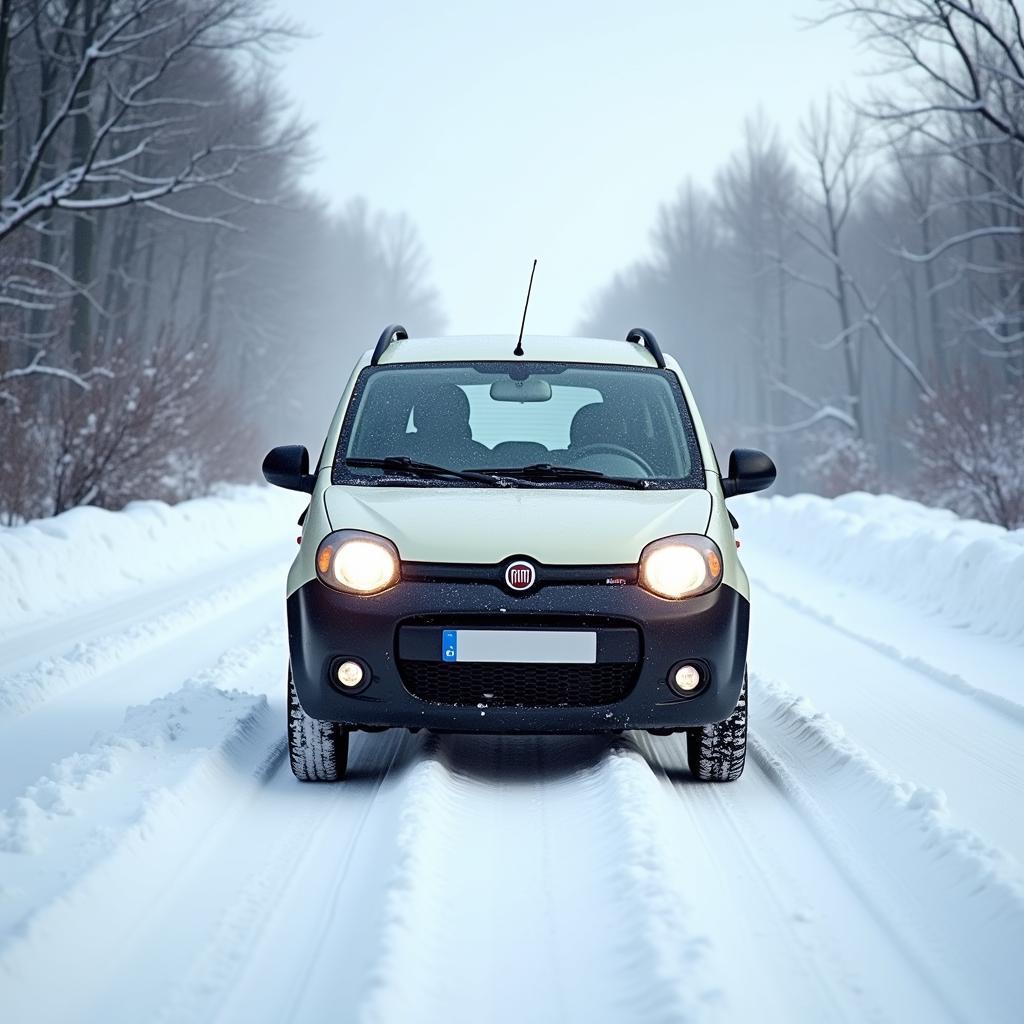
520,576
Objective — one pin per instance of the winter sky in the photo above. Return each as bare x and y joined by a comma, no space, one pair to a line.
547,128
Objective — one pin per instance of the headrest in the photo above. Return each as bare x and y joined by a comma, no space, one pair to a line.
596,424
442,409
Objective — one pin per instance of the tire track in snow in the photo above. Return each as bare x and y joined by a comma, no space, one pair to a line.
951,681
769,895
88,935
939,890
110,796
93,698
901,718
212,873
305,868
82,658
544,897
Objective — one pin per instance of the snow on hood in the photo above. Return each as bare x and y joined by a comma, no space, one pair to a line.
556,526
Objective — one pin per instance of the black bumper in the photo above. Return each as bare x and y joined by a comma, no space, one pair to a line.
324,625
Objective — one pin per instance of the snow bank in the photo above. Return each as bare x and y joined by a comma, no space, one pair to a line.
963,892
171,766
158,741
969,573
88,555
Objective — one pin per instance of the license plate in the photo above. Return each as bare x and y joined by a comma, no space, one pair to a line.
545,646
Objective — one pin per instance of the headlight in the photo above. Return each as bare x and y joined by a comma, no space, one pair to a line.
359,563
682,566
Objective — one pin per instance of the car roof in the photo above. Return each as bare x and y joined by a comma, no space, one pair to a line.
498,347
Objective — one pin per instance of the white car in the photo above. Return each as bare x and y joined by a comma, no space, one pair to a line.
503,543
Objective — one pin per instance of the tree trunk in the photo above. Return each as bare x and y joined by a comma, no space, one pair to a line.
144,337
83,233
5,39
206,286
853,381
934,312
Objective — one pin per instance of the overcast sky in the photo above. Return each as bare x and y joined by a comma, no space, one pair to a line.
547,128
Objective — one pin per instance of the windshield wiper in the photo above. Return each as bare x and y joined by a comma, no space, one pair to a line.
546,471
403,464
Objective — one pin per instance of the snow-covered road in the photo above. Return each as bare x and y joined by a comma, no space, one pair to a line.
159,863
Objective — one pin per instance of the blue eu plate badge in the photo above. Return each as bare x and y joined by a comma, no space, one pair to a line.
449,645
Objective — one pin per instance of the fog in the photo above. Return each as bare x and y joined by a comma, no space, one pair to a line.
543,130
210,209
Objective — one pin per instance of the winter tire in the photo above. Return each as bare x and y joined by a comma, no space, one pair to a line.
318,751
716,752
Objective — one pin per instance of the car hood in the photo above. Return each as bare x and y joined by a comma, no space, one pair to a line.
556,526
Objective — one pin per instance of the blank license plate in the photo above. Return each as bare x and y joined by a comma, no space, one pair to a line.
555,647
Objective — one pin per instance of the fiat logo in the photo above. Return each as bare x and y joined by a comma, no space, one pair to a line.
520,576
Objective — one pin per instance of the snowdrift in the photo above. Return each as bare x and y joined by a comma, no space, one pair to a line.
86,556
969,573
977,923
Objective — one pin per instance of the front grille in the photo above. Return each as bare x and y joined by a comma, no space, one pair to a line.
505,685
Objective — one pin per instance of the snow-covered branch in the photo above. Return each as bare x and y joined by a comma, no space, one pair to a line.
125,80
38,368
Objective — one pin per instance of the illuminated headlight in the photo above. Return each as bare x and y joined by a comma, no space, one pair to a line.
359,563
683,566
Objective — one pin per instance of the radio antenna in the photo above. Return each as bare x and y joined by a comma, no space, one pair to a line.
518,351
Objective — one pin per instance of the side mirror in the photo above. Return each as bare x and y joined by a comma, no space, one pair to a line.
288,466
749,471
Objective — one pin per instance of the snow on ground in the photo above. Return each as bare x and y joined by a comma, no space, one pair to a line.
970,574
85,557
158,862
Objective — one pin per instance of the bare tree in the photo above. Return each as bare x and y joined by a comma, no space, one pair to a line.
113,109
899,350
151,225
916,186
970,447
963,61
118,123
757,191
835,152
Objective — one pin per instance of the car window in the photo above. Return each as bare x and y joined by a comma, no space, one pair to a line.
622,421
547,423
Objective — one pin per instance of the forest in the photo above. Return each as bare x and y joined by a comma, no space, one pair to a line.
165,282
847,296
851,298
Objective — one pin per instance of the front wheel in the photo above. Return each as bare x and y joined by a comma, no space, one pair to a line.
318,751
716,752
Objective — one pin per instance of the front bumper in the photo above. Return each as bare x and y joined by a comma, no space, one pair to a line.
324,624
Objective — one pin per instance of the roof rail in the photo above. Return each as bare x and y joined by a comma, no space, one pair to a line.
394,332
642,336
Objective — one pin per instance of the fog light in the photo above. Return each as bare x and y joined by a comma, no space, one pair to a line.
686,680
350,674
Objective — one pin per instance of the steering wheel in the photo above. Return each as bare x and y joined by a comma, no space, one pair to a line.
615,449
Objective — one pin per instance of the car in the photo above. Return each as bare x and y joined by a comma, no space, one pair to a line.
529,543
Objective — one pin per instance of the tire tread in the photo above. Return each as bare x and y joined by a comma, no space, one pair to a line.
317,751
717,752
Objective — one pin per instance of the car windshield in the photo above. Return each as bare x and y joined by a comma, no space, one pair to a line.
564,425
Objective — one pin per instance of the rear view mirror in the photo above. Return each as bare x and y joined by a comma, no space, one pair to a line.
288,466
533,389
749,471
